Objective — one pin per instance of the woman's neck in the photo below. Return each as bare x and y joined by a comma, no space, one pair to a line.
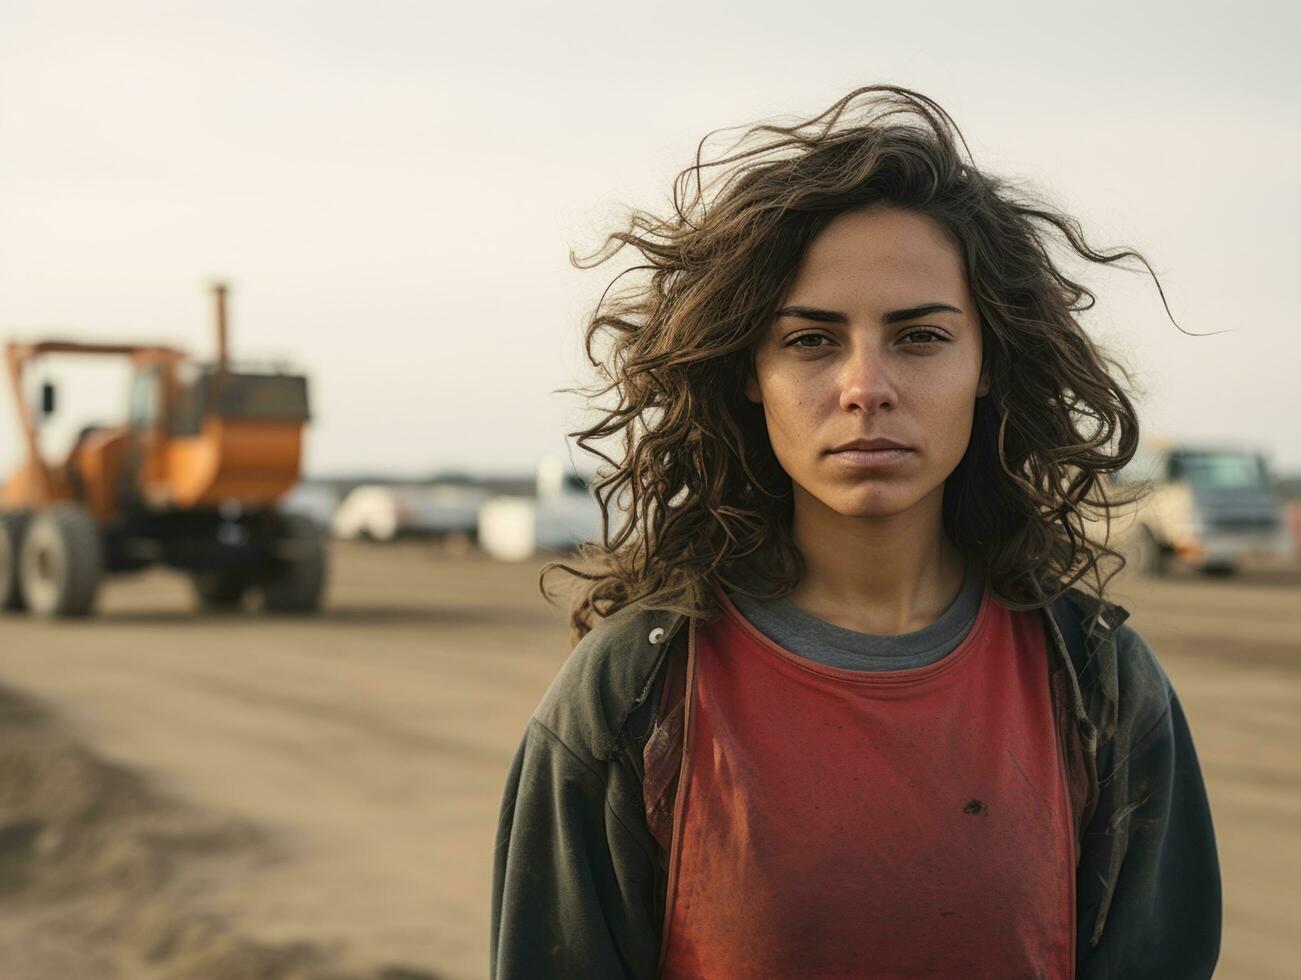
879,575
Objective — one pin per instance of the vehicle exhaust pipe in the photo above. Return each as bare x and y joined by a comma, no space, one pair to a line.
219,291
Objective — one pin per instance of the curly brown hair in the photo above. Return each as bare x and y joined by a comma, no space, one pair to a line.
699,489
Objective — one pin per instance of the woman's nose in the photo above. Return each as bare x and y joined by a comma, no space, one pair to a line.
865,384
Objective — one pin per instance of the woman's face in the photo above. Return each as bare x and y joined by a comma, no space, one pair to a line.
877,338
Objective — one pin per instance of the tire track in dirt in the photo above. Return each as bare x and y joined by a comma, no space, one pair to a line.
102,876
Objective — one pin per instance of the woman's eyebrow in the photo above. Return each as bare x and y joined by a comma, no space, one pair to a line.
894,316
913,313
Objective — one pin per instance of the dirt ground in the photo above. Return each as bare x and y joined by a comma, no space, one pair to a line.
190,796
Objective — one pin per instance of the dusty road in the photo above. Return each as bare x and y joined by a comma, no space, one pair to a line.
330,787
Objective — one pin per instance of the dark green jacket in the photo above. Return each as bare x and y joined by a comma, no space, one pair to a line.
577,881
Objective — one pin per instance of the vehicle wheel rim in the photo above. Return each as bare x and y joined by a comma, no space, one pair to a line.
41,578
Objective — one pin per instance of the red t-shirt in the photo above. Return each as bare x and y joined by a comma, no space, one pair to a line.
840,823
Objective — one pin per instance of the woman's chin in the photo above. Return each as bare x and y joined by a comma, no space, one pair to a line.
869,503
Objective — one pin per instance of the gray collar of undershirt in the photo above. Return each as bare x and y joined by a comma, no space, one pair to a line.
790,627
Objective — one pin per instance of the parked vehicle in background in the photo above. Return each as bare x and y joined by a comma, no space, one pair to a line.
1210,507
191,478
386,512
560,514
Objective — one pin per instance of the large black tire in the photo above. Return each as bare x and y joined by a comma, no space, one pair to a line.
296,581
1146,553
12,529
221,590
62,562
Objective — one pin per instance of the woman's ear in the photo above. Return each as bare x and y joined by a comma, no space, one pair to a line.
982,386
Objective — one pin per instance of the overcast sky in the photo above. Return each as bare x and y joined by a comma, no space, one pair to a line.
393,188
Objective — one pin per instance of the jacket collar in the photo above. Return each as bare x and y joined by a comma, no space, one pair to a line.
1092,671
628,649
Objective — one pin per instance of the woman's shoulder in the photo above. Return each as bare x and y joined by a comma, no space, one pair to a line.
606,676
1144,684
1120,661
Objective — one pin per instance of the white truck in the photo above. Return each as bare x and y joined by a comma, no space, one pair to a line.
1210,506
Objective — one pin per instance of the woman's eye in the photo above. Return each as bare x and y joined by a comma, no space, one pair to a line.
913,338
929,337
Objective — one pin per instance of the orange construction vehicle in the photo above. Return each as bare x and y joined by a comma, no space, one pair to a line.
190,480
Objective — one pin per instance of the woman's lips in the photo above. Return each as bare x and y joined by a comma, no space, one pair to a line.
871,458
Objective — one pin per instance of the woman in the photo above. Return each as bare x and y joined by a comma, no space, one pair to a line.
839,707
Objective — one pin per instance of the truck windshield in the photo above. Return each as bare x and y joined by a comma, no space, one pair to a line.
1227,470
